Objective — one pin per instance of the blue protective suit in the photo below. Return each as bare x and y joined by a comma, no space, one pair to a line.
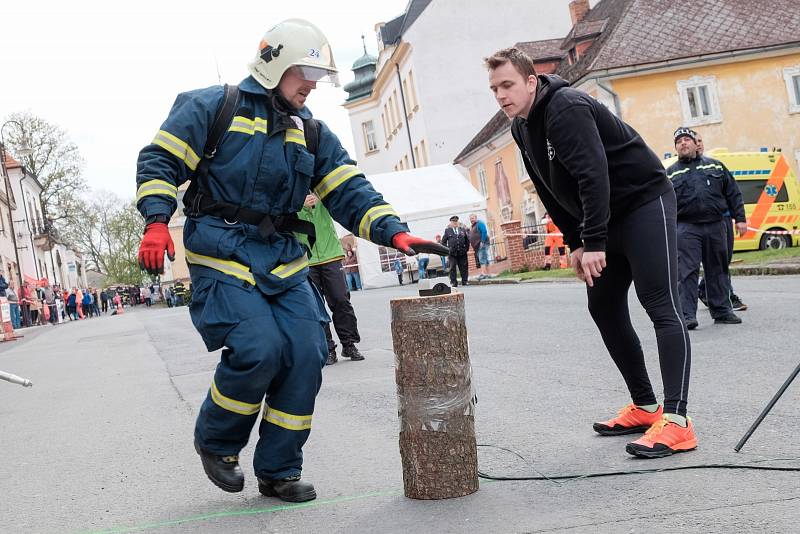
251,295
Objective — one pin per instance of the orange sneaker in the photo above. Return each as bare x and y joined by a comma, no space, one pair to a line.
664,438
630,420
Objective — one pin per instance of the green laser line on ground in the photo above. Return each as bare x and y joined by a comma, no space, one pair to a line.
239,513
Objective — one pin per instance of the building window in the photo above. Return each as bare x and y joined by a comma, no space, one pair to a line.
385,128
405,162
412,93
699,100
388,256
393,100
522,173
409,103
423,151
792,77
369,136
482,181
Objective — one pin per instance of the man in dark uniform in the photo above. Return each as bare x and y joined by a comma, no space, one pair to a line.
705,191
456,239
736,302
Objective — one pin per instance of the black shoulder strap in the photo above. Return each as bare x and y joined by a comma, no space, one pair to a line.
222,120
311,130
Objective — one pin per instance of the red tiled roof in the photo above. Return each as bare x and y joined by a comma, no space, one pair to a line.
652,31
542,50
10,162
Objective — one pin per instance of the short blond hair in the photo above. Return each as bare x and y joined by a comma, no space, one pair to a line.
521,61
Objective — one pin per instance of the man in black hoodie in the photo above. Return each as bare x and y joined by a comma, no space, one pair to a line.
609,195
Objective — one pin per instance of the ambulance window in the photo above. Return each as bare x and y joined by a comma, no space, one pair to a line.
752,189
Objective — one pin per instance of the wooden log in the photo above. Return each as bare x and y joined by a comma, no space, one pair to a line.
435,397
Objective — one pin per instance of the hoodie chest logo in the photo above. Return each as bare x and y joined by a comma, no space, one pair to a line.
551,152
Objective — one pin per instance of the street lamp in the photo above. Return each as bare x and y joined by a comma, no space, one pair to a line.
24,150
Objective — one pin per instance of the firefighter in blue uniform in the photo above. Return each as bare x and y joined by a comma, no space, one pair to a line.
250,292
707,194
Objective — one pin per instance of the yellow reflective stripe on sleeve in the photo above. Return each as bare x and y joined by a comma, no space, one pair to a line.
233,405
286,420
680,171
288,269
334,179
248,126
233,268
156,187
177,148
372,215
294,135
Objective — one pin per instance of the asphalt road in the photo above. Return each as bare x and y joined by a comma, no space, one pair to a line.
103,441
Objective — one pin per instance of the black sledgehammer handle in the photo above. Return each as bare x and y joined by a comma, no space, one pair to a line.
767,409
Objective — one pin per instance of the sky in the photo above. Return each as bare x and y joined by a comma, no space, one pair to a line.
109,75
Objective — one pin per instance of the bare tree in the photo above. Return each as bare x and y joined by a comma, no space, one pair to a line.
57,164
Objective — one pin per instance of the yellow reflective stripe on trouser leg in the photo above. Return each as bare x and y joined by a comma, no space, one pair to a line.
288,269
372,215
233,405
233,268
294,135
156,187
286,420
334,179
177,148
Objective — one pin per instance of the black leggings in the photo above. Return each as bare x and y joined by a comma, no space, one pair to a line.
642,249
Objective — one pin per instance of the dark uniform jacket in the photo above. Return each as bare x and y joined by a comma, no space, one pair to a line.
706,191
457,243
588,166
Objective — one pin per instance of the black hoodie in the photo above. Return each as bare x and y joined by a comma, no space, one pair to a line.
589,167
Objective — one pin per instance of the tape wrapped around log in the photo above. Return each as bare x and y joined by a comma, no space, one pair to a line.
436,404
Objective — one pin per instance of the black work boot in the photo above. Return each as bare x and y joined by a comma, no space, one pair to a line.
691,324
290,489
728,319
223,471
331,357
350,351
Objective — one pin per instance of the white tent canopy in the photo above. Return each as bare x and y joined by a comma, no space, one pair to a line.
425,199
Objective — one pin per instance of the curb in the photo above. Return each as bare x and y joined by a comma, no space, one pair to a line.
774,269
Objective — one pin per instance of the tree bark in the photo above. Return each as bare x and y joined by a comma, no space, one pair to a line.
434,389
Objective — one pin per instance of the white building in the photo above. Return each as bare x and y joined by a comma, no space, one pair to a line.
38,256
426,94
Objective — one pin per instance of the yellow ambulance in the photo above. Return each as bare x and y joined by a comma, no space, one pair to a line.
771,197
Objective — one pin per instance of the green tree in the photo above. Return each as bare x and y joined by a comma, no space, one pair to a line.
108,235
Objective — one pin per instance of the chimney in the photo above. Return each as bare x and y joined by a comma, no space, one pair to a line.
578,10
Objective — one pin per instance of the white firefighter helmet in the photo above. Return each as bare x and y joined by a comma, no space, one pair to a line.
294,42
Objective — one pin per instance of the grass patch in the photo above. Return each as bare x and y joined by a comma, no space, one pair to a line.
759,257
535,275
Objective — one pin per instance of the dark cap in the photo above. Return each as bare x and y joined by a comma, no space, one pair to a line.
454,218
684,132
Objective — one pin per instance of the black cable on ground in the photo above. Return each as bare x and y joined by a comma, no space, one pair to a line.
753,465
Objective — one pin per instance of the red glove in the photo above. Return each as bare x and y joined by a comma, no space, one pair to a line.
410,245
156,240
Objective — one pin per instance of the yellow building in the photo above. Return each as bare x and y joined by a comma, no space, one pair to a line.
729,70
